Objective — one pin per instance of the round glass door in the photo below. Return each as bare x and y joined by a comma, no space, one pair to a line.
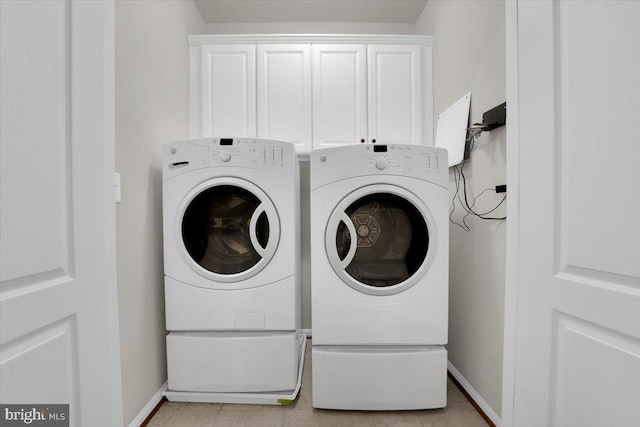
229,231
378,240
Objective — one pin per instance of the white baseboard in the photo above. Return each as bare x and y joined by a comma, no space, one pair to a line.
144,413
475,395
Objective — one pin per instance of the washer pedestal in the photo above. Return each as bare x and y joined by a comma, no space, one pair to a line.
232,362
379,378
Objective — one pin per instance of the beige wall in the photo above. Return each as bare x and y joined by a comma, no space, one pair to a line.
310,28
469,55
151,109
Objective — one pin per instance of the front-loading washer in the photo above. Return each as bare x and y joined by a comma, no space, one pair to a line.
379,253
231,264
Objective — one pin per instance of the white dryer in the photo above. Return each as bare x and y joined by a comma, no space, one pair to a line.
231,263
380,261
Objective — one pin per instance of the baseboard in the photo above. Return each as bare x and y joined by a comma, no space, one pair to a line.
482,404
149,407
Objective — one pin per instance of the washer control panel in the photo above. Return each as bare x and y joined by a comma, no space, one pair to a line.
250,152
266,155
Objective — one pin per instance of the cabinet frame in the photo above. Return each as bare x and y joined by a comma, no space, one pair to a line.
197,42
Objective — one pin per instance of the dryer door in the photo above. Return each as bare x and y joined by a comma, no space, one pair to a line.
227,229
380,239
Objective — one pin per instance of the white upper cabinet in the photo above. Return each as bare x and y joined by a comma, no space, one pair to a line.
223,97
339,95
395,94
315,91
367,94
284,93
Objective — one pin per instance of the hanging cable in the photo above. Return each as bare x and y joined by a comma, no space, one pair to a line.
459,177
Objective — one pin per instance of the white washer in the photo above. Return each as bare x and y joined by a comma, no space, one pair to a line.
231,263
380,265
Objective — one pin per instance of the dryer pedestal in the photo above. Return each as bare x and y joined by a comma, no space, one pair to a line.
379,378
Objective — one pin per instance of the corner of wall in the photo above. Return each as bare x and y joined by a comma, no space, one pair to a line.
151,79
464,61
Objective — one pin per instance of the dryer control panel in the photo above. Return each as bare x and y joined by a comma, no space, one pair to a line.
421,162
402,158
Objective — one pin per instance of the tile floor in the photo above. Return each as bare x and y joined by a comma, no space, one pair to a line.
458,413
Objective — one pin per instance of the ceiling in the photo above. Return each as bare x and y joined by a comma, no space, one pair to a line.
242,11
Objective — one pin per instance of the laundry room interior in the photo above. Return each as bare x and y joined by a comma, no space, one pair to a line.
152,108
324,212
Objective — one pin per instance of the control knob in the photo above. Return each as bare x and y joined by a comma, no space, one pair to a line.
381,164
225,156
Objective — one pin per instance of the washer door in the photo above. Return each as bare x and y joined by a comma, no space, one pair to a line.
380,239
227,229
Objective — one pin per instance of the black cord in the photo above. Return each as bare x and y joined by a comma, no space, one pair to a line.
469,208
456,178
458,175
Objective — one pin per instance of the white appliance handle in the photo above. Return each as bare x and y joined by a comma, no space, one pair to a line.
354,240
253,224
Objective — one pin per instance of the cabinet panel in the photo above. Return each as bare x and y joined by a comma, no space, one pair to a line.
339,95
284,93
395,94
228,103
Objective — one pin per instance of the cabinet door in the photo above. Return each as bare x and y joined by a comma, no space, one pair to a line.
395,94
284,94
339,95
228,91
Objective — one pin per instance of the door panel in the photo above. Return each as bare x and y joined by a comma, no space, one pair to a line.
284,94
35,242
582,388
578,290
395,94
339,95
228,91
592,216
23,373
58,304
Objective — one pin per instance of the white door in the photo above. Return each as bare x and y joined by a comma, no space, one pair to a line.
226,91
58,305
575,354
284,94
394,94
339,95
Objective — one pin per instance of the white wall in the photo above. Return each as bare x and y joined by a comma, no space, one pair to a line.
469,55
151,109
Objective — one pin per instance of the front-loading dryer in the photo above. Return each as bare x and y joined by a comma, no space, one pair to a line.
231,264
380,262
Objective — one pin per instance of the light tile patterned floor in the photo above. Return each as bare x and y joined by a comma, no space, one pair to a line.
458,413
